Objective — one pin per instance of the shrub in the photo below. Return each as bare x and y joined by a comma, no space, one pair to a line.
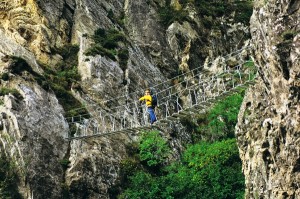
153,149
115,35
219,122
129,167
19,65
106,43
168,15
108,39
99,35
123,55
142,185
217,168
206,171
64,163
243,9
5,76
60,79
8,179
14,92
100,50
121,19
289,34
65,191
68,52
110,14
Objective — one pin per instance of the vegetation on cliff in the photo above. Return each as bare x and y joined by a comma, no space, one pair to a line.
207,169
241,11
110,43
8,179
63,77
59,78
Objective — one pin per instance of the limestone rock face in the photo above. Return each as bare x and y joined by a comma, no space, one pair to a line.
32,136
37,26
32,125
269,123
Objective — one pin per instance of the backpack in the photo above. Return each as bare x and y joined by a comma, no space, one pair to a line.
154,98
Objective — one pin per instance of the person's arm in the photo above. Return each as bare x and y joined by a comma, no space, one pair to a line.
142,98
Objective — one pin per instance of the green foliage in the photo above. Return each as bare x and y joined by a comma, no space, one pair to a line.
116,19
249,65
289,34
67,69
70,104
19,65
113,36
65,191
108,39
218,168
143,185
121,19
64,163
129,166
107,43
211,8
62,77
153,149
14,92
185,2
59,78
243,11
100,50
220,121
8,179
5,76
219,8
69,53
208,8
110,14
201,155
168,15
206,171
123,55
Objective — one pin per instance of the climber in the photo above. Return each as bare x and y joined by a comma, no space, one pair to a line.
148,98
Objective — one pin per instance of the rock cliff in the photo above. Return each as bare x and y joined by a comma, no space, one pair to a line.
268,127
33,123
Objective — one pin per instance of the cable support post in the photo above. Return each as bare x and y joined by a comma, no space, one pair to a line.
218,86
196,97
112,123
178,104
166,109
190,98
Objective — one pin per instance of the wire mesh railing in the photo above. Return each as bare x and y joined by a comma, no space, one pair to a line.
190,92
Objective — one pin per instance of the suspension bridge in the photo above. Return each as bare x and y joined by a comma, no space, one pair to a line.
181,96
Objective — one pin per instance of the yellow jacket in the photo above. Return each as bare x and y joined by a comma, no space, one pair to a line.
148,100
